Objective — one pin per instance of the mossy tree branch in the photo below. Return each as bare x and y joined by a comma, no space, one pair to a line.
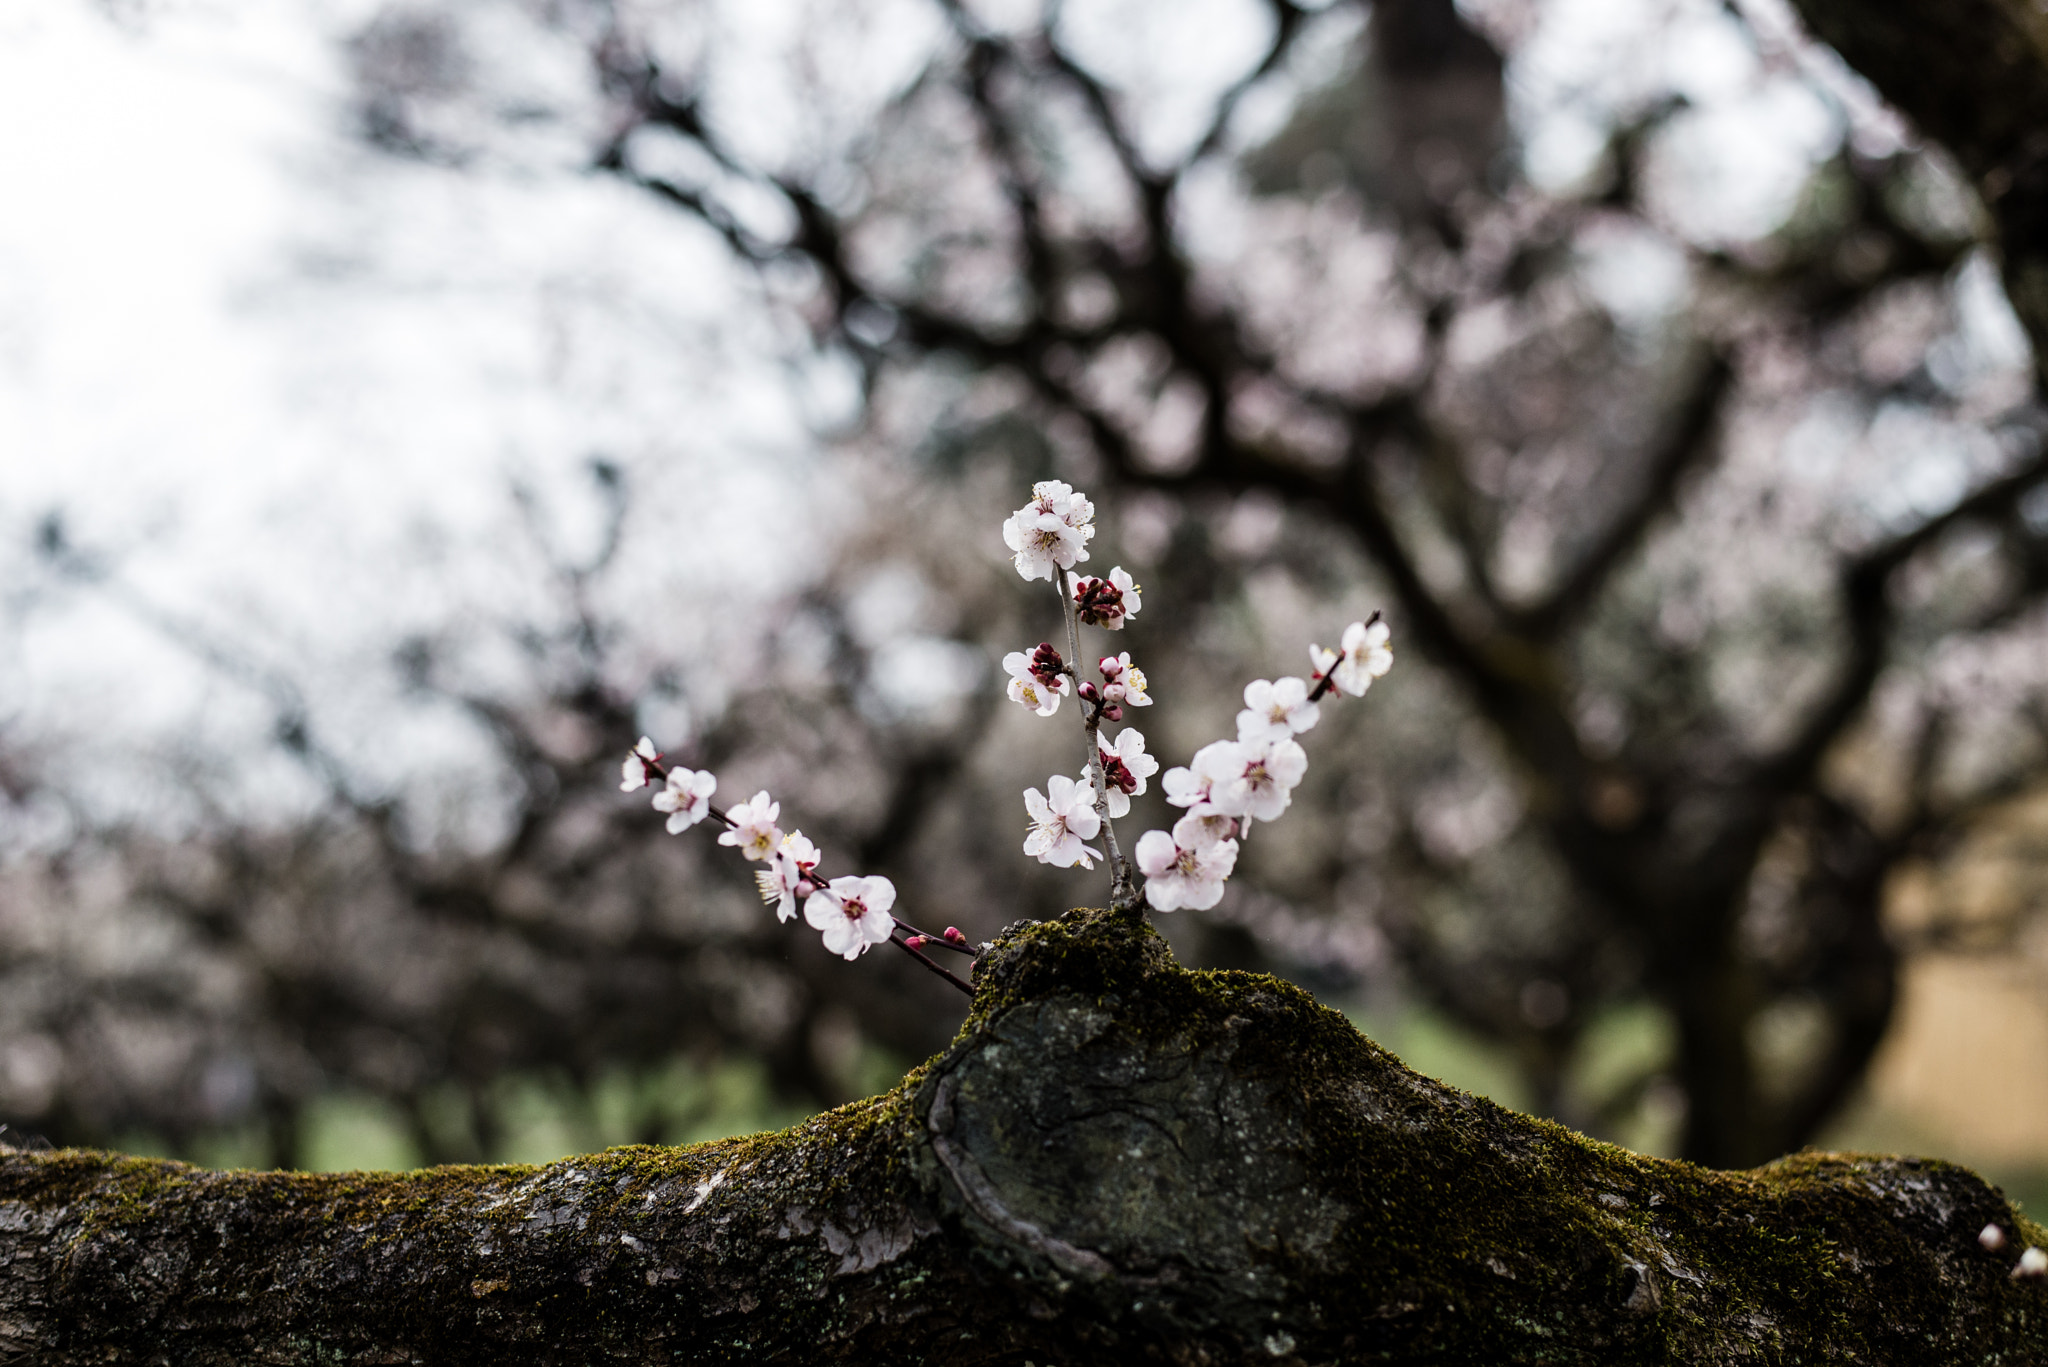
1115,1156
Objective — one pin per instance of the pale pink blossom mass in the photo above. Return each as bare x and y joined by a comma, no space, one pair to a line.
853,913
754,830
1062,818
686,797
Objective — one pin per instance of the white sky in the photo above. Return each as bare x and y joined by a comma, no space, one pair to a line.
284,383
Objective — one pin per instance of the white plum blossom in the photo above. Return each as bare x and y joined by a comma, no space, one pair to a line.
853,913
1184,869
1032,685
635,774
1122,681
1364,657
1051,532
1275,710
753,827
787,877
1061,818
1199,827
1218,764
686,797
1265,784
1105,603
1125,767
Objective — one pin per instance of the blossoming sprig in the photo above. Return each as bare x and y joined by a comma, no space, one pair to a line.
851,913
1363,656
1232,783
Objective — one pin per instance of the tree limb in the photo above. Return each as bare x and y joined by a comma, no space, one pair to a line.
1115,1156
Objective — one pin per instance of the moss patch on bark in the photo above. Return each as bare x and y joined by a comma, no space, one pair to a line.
1115,1159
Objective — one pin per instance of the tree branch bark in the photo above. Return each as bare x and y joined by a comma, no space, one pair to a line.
1114,1156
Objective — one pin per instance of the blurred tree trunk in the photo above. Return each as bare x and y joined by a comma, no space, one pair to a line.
1974,75
1116,1155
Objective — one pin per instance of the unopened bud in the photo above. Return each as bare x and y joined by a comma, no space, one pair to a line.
1113,712
2033,1263
1046,665
1089,692
917,942
1992,1237
953,936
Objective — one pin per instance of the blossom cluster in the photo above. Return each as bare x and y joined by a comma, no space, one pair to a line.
852,912
1225,788
1051,532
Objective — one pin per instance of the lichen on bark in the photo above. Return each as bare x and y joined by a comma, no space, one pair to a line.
1116,1158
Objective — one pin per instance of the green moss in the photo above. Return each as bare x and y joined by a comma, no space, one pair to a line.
1114,1156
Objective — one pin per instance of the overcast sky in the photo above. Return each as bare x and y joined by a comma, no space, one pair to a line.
281,384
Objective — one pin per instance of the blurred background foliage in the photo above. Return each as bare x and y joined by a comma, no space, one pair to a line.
1635,360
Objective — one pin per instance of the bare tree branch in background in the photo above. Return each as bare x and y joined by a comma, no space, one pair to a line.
1659,837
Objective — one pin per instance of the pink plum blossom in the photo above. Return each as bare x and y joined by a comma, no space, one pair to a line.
1051,532
686,797
1061,818
754,830
1219,764
1122,681
635,773
787,877
1265,782
1205,828
1186,874
1033,683
853,913
1275,710
1365,656
1125,767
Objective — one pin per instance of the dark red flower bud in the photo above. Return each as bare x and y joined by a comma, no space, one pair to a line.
1088,691
1100,602
953,936
1046,665
1113,712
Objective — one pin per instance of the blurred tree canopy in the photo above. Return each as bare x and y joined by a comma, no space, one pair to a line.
1715,526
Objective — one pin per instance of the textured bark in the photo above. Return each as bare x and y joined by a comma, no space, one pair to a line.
1115,1157
1974,75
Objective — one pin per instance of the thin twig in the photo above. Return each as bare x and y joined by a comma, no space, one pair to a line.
1327,680
1091,724
660,770
934,966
